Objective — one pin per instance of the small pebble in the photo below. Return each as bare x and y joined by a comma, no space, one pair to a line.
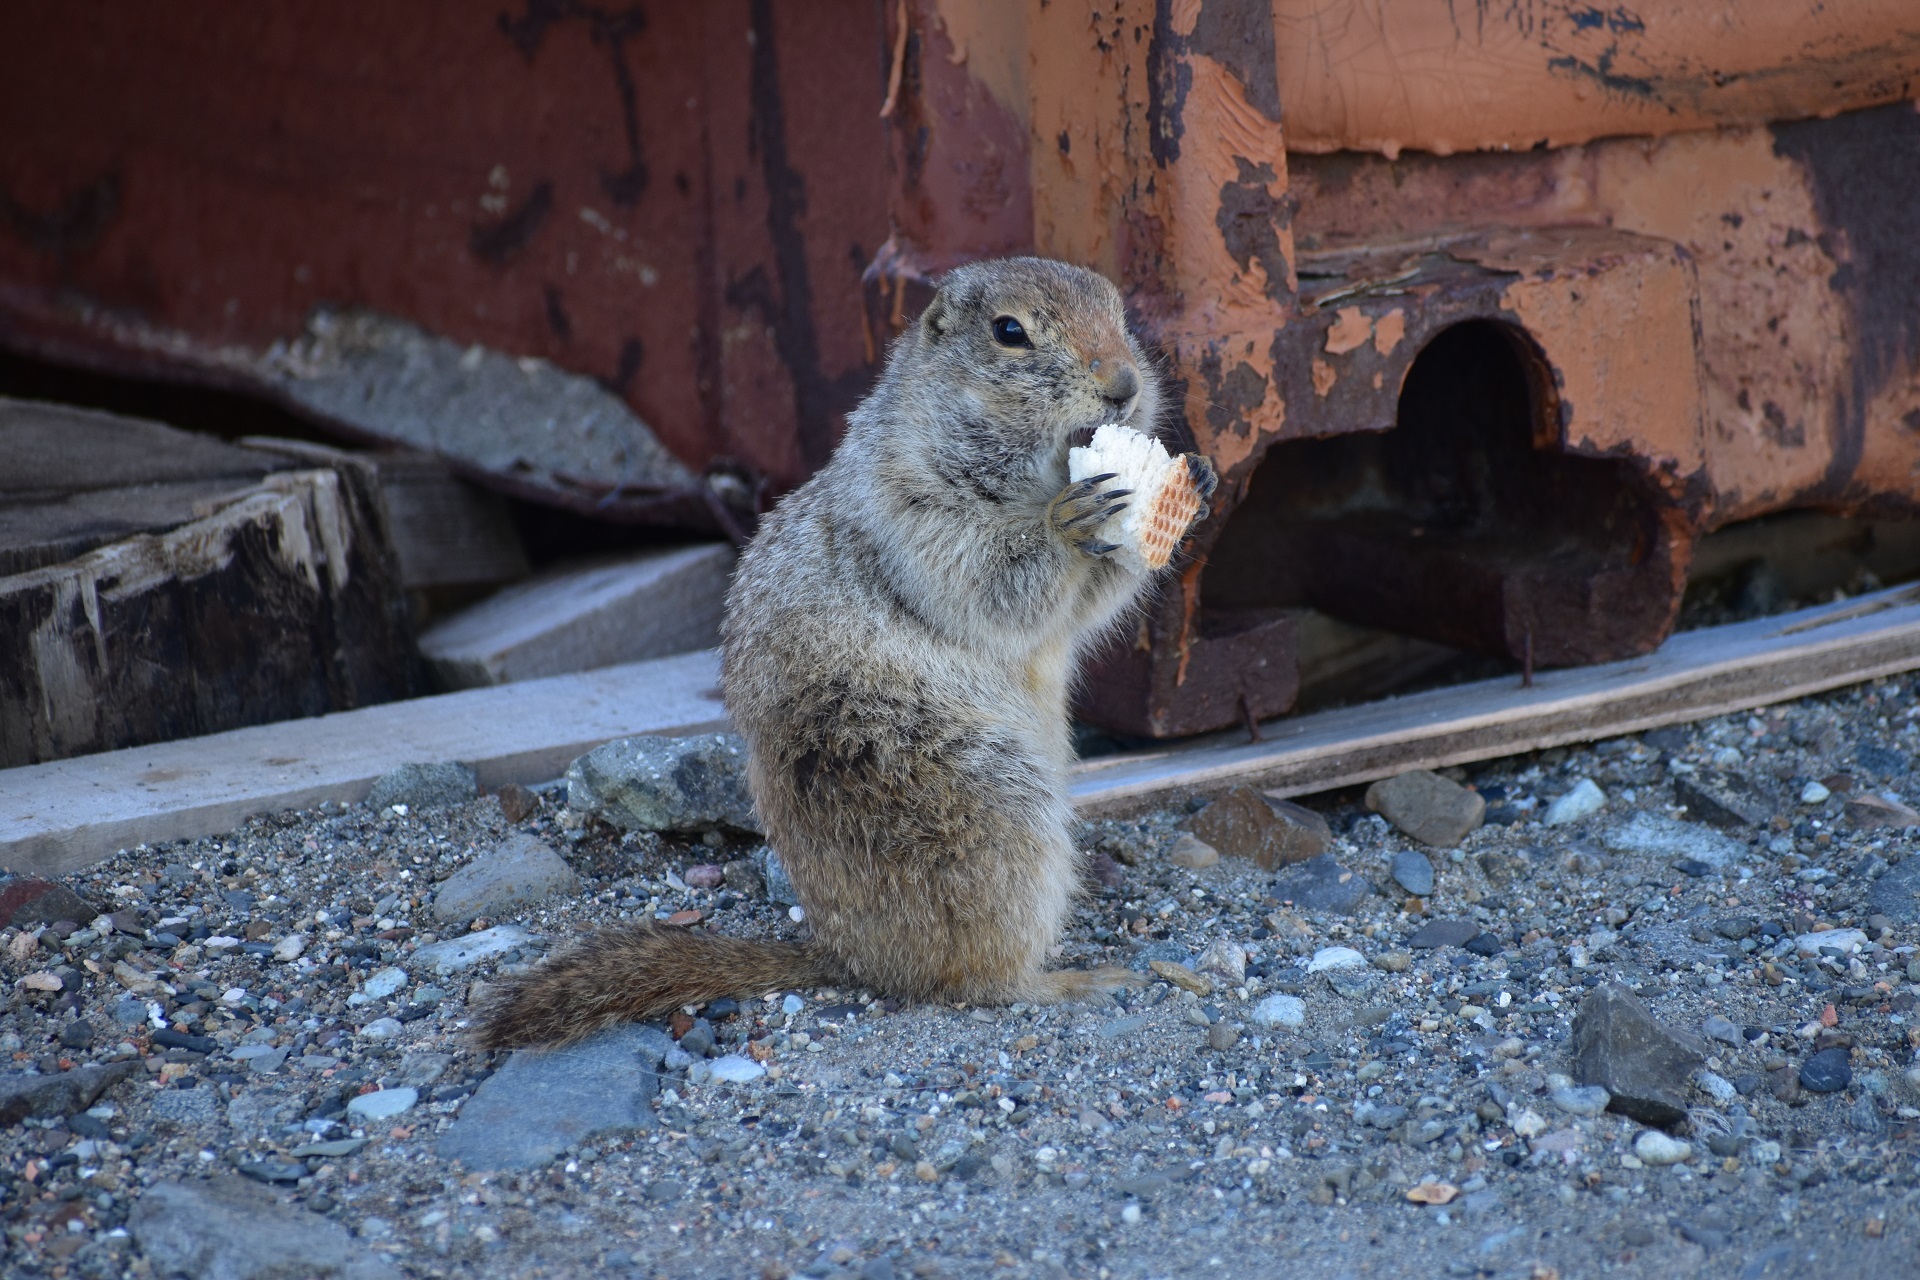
1280,1011
1827,1071
1656,1148
1585,800
1587,1100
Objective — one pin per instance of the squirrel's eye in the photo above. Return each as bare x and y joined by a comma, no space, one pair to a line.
1008,332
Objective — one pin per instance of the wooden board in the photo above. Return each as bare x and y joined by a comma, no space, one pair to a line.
579,617
1693,675
58,817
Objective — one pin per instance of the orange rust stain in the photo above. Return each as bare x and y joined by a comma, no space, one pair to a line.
1323,377
1613,314
1372,76
1351,330
1387,332
1773,362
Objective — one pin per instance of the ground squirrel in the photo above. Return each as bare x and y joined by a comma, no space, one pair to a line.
899,644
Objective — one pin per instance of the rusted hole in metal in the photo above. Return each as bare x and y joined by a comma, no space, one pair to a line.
1462,524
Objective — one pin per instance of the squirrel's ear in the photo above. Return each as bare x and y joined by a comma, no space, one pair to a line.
938,317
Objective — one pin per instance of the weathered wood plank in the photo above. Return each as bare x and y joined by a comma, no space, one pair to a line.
585,616
57,817
66,814
1693,675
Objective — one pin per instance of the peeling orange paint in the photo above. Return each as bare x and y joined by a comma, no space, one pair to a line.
1387,332
1351,330
1323,377
1376,76
1614,319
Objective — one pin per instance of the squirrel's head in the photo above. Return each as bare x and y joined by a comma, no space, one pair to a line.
1036,353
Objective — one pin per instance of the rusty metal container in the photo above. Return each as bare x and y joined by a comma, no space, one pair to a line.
1486,322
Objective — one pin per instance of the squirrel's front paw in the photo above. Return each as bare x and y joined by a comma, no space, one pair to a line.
1083,508
1205,481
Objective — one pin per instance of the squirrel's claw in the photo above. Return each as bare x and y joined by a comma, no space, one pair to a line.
1205,478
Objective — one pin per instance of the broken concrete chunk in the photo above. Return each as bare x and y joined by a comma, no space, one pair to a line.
1585,800
517,872
1619,1045
424,786
1244,823
656,783
583,617
1432,809
1728,801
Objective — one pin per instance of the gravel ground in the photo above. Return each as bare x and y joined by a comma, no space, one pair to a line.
267,995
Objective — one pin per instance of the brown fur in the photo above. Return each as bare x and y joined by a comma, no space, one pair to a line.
898,648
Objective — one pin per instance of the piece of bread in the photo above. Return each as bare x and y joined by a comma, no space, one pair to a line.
1164,502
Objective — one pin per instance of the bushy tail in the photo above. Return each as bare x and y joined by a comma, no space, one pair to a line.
633,972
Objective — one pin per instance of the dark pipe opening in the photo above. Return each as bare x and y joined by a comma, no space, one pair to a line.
1462,524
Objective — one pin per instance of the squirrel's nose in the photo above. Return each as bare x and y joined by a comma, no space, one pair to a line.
1121,386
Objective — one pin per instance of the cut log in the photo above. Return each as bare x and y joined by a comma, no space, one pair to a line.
585,617
250,593
446,531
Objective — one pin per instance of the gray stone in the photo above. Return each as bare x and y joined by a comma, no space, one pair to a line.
1882,762
1193,853
1827,1071
422,1069
1896,895
58,1094
1724,1030
186,1106
382,1104
1443,933
454,954
544,1101
773,874
228,1229
425,786
1728,801
1661,837
1619,1045
1582,1100
518,872
1585,800
1432,809
1244,823
1413,872
1322,884
1281,1011
655,783
260,1110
